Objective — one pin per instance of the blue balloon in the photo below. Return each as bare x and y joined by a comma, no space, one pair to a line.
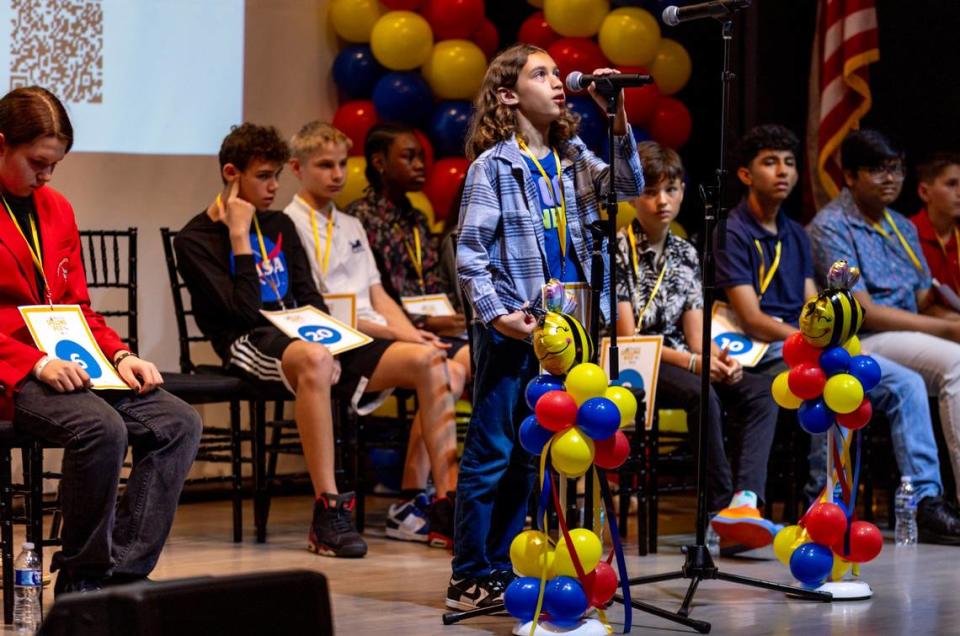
815,416
865,369
520,597
533,437
564,600
811,564
835,360
593,125
541,384
356,71
598,418
448,128
403,98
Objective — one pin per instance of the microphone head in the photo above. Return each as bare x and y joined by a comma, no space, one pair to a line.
573,81
671,16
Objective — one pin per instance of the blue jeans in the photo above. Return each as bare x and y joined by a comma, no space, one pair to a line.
496,474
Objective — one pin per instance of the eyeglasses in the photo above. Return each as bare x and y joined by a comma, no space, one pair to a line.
893,169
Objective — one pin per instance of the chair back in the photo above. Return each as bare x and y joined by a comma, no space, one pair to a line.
110,263
185,335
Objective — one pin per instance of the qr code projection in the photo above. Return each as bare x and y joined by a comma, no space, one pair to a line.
58,44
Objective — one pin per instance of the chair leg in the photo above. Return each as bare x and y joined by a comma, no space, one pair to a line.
643,489
259,481
360,487
654,437
6,533
237,465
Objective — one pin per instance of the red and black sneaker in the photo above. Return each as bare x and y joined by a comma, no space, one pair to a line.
441,521
332,532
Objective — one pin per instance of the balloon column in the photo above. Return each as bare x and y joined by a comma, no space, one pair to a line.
575,426
827,383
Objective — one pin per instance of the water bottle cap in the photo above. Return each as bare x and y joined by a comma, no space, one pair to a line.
28,545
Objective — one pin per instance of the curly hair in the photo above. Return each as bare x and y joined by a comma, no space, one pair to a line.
493,121
766,137
248,142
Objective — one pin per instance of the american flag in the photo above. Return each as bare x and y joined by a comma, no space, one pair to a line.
846,43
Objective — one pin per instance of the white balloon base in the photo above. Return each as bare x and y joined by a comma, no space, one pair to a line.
586,627
846,590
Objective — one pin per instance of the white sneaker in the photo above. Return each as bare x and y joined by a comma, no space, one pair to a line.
410,521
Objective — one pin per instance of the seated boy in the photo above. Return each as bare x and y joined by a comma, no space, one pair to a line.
237,257
938,223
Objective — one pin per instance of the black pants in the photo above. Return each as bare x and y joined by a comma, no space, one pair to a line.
749,412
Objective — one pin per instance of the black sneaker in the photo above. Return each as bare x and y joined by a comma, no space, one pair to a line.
332,532
67,584
441,521
468,594
506,577
937,522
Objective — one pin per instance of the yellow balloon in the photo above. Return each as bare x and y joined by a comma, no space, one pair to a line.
589,550
401,40
529,550
585,381
852,345
571,452
575,18
625,214
354,184
782,394
678,230
671,67
536,3
843,393
630,36
455,69
625,401
353,20
840,568
788,540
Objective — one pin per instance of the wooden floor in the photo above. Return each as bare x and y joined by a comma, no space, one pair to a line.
398,588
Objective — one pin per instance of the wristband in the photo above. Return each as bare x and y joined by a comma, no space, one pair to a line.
121,357
692,366
39,366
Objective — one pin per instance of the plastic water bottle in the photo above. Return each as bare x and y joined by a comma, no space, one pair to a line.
905,506
27,586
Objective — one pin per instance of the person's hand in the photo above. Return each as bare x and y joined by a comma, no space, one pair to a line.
335,374
602,101
718,370
431,338
731,366
139,375
456,323
62,376
236,213
518,324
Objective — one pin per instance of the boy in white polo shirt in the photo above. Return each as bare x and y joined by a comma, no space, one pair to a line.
342,263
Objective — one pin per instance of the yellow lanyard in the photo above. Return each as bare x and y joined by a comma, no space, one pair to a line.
416,256
943,246
34,249
265,262
903,241
766,277
636,272
562,216
322,263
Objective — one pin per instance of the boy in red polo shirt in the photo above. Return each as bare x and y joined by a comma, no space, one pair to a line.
938,223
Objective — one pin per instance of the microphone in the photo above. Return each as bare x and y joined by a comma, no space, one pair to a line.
577,81
674,15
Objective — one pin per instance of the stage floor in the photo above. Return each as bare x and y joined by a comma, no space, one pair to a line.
399,587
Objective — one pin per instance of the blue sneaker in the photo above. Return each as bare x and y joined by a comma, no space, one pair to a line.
410,521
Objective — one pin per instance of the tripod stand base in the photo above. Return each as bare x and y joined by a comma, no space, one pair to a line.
586,627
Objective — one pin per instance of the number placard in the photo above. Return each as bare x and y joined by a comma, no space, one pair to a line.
639,366
728,334
312,325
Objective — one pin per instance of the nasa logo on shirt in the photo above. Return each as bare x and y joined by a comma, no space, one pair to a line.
274,271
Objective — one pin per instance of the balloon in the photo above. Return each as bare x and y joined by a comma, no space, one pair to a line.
788,540
671,66
528,552
401,40
356,71
598,417
419,201
806,381
453,19
815,417
540,385
811,563
865,543
448,127
354,184
520,597
533,437
577,54
781,393
354,119
830,318
353,20
403,97
796,350
586,381
865,369
537,32
625,401
601,584
556,411
625,214
671,124
575,18
571,452
840,568
834,360
610,453
592,127
535,3
564,600
588,547
640,102
455,69
858,418
825,523
487,38
402,5
843,393
560,343
427,149
852,345
443,185
630,36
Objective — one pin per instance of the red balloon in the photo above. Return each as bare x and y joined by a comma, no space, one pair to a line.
537,32
600,585
354,119
427,149
640,102
487,38
858,418
825,523
610,453
453,19
796,350
807,380
443,185
577,54
402,5
556,410
865,543
671,123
